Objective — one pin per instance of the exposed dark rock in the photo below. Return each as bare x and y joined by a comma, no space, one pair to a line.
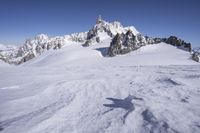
28,57
188,46
49,47
115,45
99,20
149,40
122,44
195,56
130,40
173,40
3,58
87,43
158,40
57,46
39,49
98,39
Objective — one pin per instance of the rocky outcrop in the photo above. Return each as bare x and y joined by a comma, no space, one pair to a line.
123,43
196,56
87,43
115,46
130,42
175,41
3,58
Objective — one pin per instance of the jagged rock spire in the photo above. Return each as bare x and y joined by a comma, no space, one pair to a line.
99,19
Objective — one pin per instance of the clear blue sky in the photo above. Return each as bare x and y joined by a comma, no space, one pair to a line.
22,19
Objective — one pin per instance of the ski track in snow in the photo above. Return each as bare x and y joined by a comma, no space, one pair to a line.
105,96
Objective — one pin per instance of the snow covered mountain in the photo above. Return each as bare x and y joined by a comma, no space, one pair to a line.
103,30
149,85
38,45
7,52
100,32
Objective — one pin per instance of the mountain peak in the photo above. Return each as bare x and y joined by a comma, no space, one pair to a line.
106,30
99,19
41,37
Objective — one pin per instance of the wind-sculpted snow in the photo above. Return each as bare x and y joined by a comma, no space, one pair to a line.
125,104
102,99
152,125
75,89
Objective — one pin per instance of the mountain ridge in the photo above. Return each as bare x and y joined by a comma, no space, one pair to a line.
100,31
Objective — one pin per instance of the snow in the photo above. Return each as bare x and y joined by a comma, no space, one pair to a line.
76,55
80,90
3,64
7,49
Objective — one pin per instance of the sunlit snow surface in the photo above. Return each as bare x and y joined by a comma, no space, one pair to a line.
155,89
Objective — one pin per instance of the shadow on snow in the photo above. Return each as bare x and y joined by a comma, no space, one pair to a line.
104,51
125,104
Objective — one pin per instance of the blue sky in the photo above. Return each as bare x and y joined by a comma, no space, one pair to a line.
22,19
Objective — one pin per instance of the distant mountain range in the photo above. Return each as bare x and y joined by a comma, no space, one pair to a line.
128,39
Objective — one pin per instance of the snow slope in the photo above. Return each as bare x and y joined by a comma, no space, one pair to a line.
78,90
76,55
3,64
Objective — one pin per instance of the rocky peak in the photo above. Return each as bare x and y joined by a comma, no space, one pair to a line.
41,37
99,20
104,30
130,40
117,40
129,34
